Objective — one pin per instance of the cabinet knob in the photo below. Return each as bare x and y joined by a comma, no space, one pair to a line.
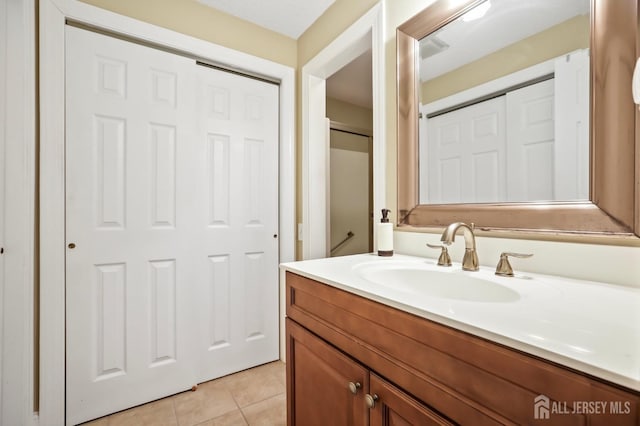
353,387
371,400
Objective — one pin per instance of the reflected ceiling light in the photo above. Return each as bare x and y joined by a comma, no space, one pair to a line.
477,12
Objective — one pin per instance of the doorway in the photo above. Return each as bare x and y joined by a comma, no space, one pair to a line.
365,34
349,107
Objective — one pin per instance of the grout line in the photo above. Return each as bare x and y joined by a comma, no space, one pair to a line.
173,405
244,417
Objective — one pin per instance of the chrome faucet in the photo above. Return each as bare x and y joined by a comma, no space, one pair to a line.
470,259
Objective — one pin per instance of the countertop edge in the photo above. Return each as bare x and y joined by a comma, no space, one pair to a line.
577,365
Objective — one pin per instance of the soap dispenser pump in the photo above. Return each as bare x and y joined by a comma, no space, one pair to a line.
385,235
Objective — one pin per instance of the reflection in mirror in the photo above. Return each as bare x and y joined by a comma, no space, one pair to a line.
504,104
613,207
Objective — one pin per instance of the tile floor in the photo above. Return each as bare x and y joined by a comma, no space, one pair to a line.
252,397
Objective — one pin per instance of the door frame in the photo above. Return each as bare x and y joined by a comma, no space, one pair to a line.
18,162
53,17
365,33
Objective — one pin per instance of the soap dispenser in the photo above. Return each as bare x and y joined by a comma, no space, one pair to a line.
385,235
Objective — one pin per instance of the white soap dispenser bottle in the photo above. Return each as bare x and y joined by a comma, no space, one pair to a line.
385,235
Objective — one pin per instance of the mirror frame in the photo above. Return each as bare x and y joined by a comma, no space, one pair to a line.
613,209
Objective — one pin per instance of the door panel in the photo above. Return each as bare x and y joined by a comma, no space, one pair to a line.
530,152
239,130
571,108
129,276
466,154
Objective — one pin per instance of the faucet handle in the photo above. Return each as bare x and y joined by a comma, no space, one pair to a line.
504,267
444,259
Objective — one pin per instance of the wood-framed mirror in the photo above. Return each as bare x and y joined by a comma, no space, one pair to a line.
612,209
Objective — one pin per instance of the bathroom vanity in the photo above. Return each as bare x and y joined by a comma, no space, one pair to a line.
360,352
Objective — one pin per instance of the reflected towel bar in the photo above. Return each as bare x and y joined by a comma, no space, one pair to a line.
349,236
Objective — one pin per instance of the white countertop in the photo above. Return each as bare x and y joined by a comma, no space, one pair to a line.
589,326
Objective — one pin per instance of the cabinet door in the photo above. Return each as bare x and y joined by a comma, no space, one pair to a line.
318,383
393,407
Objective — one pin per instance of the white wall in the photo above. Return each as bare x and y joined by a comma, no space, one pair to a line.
610,264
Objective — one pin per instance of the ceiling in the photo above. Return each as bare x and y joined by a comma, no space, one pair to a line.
288,17
503,23
351,84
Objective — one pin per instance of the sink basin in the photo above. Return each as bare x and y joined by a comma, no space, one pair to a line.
444,284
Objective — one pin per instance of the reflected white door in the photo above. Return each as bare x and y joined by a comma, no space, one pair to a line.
170,226
530,148
239,148
466,154
571,109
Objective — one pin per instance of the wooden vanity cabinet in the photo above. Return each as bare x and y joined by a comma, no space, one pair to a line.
421,372
318,379
325,387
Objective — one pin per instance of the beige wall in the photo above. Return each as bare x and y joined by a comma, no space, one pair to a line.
197,20
565,37
330,25
350,114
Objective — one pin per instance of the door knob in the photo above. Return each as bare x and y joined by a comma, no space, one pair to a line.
371,400
353,387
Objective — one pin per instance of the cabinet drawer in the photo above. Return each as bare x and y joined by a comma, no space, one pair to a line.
468,379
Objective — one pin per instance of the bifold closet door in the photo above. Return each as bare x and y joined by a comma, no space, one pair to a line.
158,277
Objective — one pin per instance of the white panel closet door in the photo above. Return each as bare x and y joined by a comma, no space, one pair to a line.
132,273
239,153
571,174
466,154
174,248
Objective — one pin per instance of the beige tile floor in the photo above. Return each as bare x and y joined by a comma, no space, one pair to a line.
252,397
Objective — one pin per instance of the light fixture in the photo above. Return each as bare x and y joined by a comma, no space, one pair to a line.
477,12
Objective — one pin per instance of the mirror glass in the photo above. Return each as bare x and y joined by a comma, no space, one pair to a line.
504,104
